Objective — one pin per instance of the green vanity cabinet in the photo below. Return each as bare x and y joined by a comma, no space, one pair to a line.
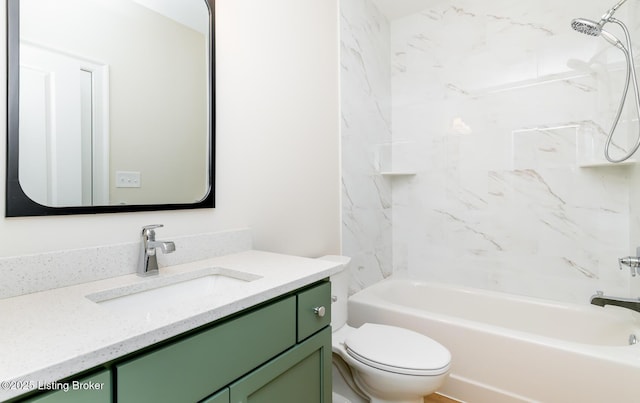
276,352
280,352
95,389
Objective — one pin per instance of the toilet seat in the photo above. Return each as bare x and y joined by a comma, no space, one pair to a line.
397,350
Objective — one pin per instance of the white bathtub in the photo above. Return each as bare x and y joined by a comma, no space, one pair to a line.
510,348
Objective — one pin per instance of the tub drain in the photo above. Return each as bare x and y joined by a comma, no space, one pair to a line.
633,339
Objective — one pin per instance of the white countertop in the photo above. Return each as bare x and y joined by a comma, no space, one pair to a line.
54,334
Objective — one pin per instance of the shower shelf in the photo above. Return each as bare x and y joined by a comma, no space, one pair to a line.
604,164
397,173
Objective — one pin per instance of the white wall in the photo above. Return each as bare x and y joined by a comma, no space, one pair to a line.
277,139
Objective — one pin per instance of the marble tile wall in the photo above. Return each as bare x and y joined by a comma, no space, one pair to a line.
503,105
634,224
365,128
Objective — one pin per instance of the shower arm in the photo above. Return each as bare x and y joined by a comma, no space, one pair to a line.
607,16
631,74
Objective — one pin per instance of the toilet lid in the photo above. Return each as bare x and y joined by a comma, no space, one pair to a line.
398,350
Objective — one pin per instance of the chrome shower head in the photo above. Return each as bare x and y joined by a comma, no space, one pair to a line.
586,26
590,27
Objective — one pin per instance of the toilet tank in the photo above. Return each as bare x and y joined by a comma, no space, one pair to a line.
339,291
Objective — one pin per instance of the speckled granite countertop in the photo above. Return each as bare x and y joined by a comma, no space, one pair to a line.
51,335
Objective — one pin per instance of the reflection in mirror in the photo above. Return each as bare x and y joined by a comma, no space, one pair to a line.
114,105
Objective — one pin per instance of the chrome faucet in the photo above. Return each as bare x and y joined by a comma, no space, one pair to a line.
148,264
601,300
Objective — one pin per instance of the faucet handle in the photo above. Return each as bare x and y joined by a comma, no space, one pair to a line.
151,227
148,231
632,262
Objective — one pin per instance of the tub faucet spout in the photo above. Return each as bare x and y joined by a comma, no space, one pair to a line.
630,303
148,264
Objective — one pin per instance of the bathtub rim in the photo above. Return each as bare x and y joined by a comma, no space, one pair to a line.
624,354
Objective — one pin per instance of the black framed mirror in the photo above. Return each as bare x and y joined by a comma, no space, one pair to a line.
110,106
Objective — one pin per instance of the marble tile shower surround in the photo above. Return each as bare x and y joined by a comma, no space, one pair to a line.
32,273
365,123
504,113
504,103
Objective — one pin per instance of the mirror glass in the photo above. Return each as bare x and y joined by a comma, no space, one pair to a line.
110,105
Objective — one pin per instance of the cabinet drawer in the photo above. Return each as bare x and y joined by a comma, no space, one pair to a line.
191,369
310,321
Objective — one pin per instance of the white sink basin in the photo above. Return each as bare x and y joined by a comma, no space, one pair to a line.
149,295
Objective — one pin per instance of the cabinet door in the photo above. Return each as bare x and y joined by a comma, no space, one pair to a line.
302,374
94,389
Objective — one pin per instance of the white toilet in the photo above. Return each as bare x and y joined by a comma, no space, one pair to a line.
388,364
